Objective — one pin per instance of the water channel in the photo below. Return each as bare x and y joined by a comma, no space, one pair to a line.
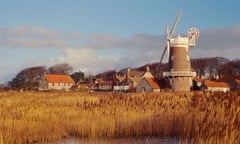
145,140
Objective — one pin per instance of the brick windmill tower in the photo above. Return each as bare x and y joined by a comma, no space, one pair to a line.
179,74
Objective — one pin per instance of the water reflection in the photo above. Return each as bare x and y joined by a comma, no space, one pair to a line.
145,140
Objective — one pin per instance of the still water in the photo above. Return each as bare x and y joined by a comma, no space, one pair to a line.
145,140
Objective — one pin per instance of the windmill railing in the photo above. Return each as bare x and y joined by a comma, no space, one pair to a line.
179,73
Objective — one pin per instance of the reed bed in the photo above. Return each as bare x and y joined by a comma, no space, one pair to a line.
198,117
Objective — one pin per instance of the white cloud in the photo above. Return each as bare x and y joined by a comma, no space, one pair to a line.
230,53
86,60
37,32
36,37
219,42
137,41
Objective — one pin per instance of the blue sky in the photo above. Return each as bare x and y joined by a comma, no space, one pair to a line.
98,35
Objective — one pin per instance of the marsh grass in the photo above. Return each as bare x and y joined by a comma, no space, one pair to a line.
199,117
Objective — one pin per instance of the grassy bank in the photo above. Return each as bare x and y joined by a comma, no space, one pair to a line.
30,117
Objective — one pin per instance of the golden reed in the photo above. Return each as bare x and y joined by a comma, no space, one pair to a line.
198,117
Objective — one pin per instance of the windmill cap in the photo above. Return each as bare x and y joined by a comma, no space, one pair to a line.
179,42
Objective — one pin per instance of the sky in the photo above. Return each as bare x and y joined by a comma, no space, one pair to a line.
99,35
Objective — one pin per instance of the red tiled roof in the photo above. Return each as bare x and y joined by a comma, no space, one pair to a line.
53,78
153,83
106,83
209,83
136,73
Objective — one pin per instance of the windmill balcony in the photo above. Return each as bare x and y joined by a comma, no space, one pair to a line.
179,74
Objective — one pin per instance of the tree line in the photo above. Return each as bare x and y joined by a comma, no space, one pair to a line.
210,68
29,78
216,67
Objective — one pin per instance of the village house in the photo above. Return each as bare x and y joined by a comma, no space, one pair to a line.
148,85
102,85
213,86
105,86
232,80
56,82
130,80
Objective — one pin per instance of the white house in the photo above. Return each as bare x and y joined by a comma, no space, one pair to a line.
215,86
56,82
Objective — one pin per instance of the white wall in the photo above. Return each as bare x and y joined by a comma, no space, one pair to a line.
59,86
219,89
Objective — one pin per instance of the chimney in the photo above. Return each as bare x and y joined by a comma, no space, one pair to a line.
128,71
147,68
115,74
128,74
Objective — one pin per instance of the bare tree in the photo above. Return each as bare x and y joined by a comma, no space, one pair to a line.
230,68
199,66
27,78
63,68
208,66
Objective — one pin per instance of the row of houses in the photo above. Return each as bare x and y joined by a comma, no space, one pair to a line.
130,81
144,81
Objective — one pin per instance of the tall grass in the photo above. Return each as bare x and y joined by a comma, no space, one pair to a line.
199,117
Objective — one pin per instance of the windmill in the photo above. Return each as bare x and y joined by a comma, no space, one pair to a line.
179,74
